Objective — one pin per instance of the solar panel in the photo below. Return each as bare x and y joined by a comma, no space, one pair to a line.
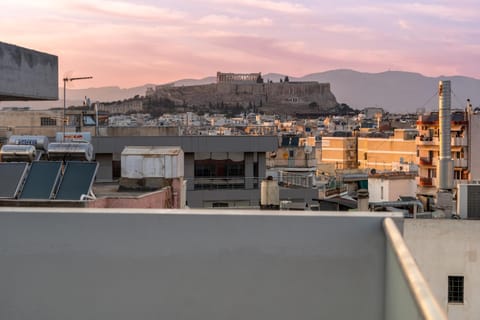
12,175
42,180
77,180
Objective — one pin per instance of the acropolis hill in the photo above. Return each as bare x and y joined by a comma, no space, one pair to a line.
250,91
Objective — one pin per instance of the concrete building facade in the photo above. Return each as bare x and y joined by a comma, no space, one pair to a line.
27,74
447,250
221,171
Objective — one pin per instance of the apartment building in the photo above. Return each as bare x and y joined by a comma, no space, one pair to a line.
340,149
383,153
465,139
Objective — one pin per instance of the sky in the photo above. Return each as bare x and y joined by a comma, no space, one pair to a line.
130,43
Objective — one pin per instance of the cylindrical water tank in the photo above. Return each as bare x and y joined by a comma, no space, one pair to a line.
269,194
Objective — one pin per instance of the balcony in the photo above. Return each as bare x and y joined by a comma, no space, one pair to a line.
456,182
255,264
425,161
426,141
425,181
460,163
459,142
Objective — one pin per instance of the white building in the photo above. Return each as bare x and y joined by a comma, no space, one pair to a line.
389,186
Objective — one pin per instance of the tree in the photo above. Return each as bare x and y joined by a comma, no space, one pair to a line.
259,79
286,79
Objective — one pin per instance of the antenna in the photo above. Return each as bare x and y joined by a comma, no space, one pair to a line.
65,80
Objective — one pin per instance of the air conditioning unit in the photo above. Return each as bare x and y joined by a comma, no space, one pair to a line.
468,201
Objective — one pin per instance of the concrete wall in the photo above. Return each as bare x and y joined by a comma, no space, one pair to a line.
149,264
474,141
157,199
189,143
448,247
27,74
235,197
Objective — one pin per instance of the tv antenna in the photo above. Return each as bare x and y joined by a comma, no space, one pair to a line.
65,80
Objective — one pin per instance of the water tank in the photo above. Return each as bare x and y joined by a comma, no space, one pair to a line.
73,137
17,153
39,142
82,151
269,194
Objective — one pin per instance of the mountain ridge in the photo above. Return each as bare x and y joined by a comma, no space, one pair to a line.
395,91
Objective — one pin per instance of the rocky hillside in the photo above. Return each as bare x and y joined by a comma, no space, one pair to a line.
283,97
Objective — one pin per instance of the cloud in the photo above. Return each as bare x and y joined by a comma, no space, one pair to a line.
451,12
123,9
466,11
223,20
345,29
276,6
403,24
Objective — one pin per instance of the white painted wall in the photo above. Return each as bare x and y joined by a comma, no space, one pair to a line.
448,247
392,189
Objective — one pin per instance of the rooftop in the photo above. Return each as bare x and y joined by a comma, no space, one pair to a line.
207,264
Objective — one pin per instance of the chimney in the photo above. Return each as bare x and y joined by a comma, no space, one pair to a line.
445,162
362,200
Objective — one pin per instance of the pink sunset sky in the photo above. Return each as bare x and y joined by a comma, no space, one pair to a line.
129,43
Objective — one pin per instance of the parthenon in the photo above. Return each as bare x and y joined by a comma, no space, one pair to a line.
238,77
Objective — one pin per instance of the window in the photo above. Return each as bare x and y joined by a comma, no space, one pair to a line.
47,121
455,289
219,205
457,174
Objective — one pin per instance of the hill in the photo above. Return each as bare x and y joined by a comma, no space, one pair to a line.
395,91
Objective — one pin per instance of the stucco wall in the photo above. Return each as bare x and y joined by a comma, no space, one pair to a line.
448,247
70,264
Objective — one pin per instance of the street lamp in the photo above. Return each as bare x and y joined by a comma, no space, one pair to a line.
65,80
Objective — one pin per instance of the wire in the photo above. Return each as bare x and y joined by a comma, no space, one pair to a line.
459,102
429,99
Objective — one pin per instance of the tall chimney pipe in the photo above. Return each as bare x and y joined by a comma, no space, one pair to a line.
445,163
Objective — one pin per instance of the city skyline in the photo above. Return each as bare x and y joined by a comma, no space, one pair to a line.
131,43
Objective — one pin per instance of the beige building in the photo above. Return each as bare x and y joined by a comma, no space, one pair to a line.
382,154
340,151
121,107
465,130
29,122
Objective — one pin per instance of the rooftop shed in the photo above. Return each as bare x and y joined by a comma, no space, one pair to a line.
152,162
